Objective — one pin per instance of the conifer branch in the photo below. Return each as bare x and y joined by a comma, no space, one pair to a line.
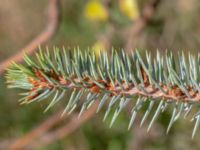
115,79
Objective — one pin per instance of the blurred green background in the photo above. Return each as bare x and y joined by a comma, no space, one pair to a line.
98,25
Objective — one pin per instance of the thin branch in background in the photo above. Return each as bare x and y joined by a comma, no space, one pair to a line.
45,139
38,131
66,130
49,31
139,25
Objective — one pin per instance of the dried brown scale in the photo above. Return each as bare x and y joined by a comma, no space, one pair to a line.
39,75
173,93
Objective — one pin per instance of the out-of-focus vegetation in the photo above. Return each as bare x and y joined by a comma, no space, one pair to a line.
98,24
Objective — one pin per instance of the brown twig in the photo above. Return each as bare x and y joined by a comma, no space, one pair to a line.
45,139
49,31
37,132
67,129
139,25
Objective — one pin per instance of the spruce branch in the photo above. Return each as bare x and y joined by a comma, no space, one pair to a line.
114,79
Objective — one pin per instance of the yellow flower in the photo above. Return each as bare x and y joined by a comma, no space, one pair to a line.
129,8
97,47
96,11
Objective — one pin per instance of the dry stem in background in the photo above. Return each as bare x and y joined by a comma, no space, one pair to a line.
139,25
49,31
